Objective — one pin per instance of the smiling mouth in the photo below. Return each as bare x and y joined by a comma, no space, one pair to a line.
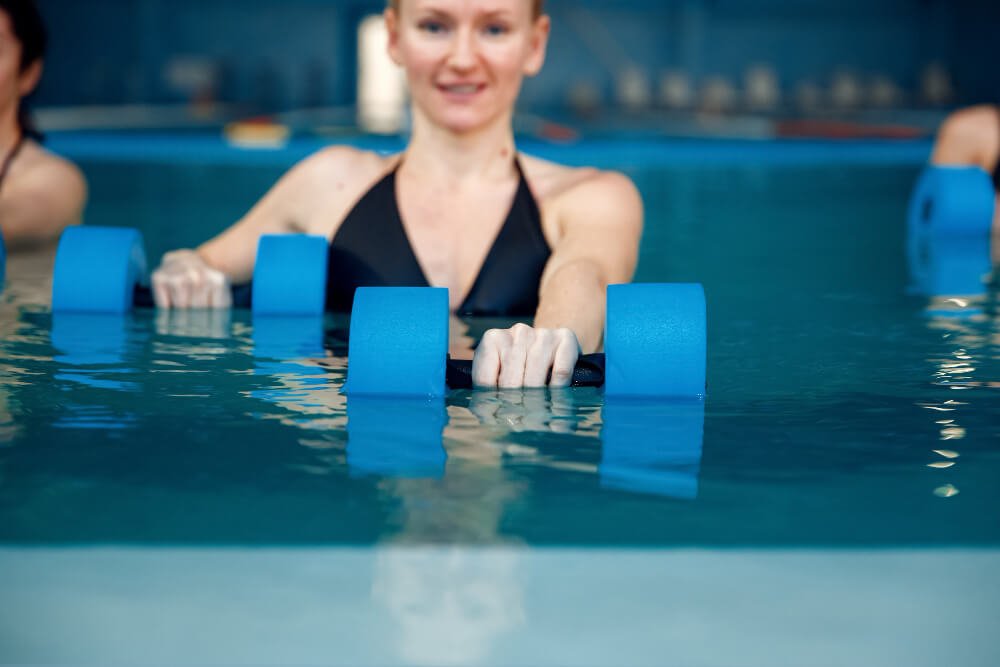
461,89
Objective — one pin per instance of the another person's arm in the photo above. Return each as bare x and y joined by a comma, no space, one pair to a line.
600,224
969,137
48,196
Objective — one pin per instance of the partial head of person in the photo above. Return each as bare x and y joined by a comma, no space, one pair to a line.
465,60
22,49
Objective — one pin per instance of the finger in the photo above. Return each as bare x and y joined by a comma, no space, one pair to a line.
539,361
567,352
180,292
222,296
486,361
514,357
161,293
201,294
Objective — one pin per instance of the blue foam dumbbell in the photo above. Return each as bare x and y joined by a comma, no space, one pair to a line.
953,201
654,343
104,270
97,269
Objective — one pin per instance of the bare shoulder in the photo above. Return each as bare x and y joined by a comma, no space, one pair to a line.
983,118
340,164
46,177
969,135
313,196
583,192
43,166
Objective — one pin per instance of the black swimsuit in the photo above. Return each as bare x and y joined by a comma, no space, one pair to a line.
371,249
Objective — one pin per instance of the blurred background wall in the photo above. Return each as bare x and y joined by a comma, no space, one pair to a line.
274,55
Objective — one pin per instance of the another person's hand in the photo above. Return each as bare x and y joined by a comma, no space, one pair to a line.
524,356
184,280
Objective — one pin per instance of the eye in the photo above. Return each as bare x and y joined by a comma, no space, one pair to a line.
496,29
432,27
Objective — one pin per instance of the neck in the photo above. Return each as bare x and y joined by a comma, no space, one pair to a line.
438,153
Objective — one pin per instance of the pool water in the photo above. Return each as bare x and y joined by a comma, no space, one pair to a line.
192,487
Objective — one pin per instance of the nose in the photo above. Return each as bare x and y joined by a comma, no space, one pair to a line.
462,55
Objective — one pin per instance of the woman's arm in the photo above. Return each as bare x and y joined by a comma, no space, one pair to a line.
599,246
600,227
200,278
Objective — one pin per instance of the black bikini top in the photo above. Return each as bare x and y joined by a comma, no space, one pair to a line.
371,249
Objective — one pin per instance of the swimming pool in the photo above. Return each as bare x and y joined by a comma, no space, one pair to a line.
174,490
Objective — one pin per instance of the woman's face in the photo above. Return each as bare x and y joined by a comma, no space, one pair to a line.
14,84
465,59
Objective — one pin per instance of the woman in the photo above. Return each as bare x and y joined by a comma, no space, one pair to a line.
40,193
508,234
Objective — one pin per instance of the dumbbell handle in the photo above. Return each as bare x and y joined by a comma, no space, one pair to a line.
588,372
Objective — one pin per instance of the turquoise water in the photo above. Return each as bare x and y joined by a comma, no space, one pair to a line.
183,488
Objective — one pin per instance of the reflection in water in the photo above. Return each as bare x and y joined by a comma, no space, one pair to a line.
451,605
954,272
90,349
652,446
397,437
290,358
545,410
213,323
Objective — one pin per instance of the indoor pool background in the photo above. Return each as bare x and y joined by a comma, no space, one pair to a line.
179,488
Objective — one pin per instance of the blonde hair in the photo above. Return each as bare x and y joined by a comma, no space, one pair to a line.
536,7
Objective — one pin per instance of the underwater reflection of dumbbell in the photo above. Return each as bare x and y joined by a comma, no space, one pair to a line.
949,220
654,343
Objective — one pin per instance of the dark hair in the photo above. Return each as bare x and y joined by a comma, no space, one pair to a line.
29,29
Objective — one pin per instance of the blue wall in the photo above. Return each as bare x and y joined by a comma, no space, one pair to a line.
281,54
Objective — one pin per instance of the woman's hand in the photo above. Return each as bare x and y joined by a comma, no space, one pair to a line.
524,356
184,280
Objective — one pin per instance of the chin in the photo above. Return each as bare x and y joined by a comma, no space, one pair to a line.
464,123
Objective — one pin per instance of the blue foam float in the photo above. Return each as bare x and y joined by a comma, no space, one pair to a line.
655,340
398,343
97,269
289,275
952,200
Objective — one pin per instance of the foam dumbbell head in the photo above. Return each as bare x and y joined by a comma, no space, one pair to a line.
289,275
97,269
398,341
655,340
952,200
